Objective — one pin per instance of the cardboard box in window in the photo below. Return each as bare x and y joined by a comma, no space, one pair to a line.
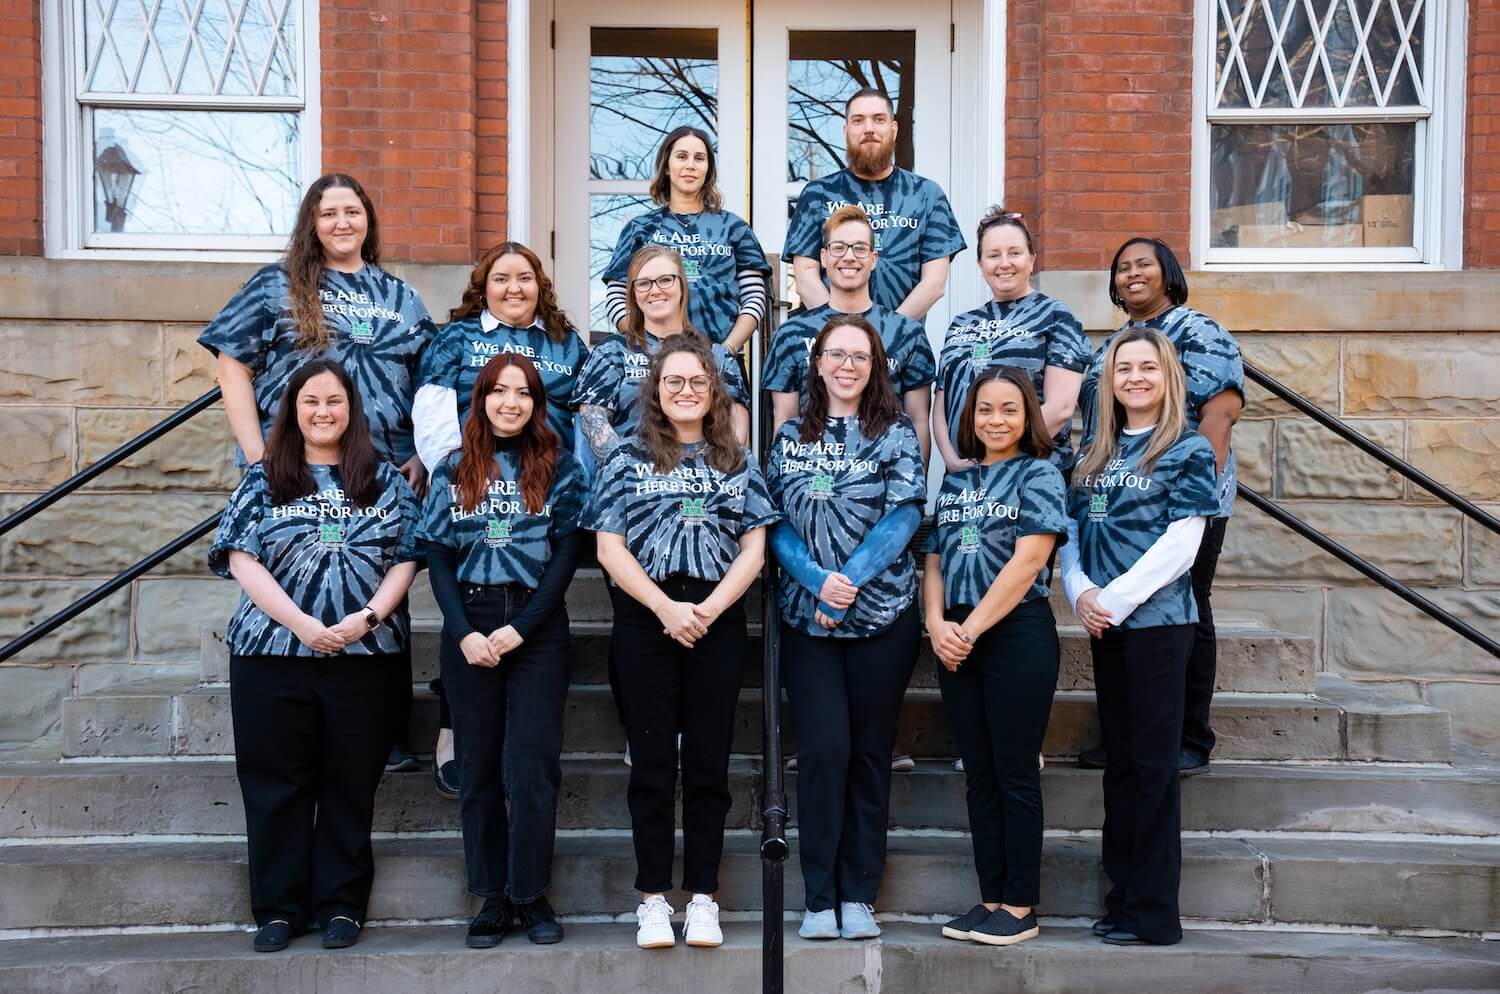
1309,231
1387,219
1247,225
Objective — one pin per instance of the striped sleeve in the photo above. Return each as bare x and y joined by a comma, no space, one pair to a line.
753,295
614,303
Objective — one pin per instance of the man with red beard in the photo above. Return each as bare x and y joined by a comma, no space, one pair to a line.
916,233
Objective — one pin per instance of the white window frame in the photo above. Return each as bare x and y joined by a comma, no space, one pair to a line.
1437,231
68,194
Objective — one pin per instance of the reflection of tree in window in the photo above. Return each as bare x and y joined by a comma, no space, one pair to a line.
642,84
825,69
608,215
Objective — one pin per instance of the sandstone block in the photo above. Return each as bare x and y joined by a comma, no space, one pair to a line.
198,455
1444,376
1484,552
1254,444
117,726
1296,610
101,534
102,678
171,613
104,363
1312,461
202,725
1473,707
100,633
1462,455
1374,633
189,372
1418,544
31,702
36,447
1308,364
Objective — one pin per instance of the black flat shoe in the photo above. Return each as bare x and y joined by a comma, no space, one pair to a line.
1092,759
401,761
273,936
540,922
445,778
490,925
341,933
1190,764
1102,927
1120,937
959,927
1002,928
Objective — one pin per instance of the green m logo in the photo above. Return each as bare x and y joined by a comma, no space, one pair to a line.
693,509
330,533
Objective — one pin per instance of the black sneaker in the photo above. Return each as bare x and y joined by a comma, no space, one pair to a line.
959,927
1002,928
401,761
341,933
445,778
1092,759
1102,927
1189,764
273,936
490,925
540,922
1120,937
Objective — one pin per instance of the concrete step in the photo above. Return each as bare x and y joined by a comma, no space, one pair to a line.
603,959
147,722
79,800
1406,884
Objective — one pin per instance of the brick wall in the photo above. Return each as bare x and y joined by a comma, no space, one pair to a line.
491,137
20,127
1482,136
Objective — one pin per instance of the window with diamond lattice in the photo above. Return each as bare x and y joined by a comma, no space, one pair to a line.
1321,117
185,121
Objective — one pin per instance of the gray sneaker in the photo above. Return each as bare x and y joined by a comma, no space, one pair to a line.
857,921
819,925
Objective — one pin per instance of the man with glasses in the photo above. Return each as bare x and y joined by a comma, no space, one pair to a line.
913,227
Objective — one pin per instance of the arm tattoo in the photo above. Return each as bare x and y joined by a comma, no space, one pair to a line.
593,421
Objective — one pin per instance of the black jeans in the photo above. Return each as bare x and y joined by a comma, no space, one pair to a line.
1202,667
667,690
507,737
998,703
1138,676
846,696
311,737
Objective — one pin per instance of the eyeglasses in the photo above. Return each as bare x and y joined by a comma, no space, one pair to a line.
675,384
664,282
860,250
838,357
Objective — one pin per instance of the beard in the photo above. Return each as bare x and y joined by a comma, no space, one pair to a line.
871,158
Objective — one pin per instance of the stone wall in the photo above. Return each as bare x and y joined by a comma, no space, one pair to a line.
92,353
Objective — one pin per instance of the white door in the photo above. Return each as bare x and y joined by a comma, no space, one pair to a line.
628,72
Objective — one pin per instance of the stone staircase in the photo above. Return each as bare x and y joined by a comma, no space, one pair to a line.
1340,843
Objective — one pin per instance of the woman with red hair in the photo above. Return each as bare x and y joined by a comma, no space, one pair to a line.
501,527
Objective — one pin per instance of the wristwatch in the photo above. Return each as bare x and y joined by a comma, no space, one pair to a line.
371,618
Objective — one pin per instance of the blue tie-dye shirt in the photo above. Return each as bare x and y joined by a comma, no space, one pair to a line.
463,348
907,351
833,490
982,511
326,552
912,221
614,372
1030,334
500,541
716,246
378,327
1211,358
687,520
1121,512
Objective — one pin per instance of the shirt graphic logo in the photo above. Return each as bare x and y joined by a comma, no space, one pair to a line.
690,268
821,487
981,350
331,534
497,533
1098,507
693,512
362,331
968,538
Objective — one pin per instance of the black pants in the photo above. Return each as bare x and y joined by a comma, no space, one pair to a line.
846,696
1202,667
1138,676
311,737
507,737
668,690
998,704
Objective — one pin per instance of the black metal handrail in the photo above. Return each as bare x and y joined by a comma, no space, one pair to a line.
1356,562
131,447
114,583
1369,448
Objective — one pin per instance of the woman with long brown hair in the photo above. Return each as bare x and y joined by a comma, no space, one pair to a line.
502,541
681,510
321,535
848,475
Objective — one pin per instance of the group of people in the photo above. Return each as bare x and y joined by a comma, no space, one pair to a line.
488,450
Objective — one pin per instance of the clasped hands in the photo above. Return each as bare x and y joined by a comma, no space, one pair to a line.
488,650
1095,619
331,638
838,591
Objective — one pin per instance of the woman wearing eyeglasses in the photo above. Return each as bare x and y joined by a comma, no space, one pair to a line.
847,474
680,509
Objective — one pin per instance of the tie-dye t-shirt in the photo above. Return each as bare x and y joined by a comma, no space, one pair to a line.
501,541
907,351
614,372
325,551
910,215
687,520
1211,358
982,511
378,327
1030,334
463,348
716,246
833,490
1121,512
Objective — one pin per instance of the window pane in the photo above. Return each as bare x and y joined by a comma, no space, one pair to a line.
643,82
1288,185
195,172
825,69
608,215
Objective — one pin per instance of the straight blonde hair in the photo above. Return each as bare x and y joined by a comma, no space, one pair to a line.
1109,413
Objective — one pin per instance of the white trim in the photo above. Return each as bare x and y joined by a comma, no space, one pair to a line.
977,172
518,121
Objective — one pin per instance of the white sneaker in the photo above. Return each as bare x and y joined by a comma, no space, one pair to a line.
627,754
958,765
701,925
902,763
653,928
1041,762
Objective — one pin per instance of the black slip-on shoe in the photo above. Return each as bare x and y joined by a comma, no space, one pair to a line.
1190,764
1001,928
959,927
340,933
1120,937
445,778
490,925
273,936
1102,927
1092,759
539,921
401,761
